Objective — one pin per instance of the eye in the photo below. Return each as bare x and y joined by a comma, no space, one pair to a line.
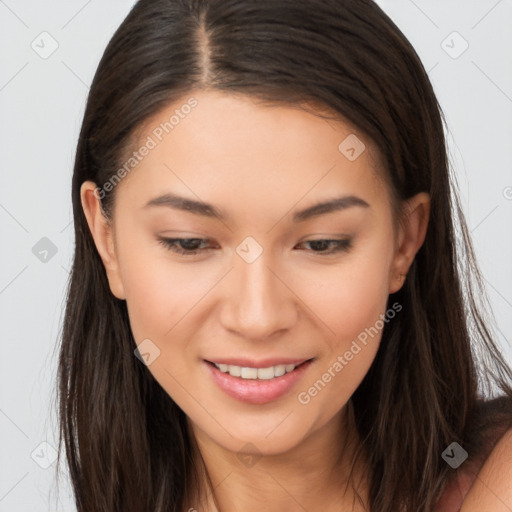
192,246
320,246
185,246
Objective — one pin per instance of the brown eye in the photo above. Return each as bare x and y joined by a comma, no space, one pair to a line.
329,246
184,246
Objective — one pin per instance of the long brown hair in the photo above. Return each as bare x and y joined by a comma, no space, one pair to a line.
126,441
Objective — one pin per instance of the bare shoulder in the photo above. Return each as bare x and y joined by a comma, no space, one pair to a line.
492,488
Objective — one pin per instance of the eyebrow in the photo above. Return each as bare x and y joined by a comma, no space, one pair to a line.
208,210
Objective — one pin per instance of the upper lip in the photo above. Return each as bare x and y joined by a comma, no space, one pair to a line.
251,363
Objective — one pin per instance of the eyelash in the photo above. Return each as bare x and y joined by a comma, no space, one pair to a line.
342,245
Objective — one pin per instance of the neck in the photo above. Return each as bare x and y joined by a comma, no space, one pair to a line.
318,474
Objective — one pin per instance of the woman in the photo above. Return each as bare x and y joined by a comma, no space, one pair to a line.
268,307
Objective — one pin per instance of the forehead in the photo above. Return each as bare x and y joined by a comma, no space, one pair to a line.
217,143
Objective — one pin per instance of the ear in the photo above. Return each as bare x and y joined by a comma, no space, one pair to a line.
102,233
411,235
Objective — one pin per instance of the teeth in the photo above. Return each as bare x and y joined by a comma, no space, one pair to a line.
235,371
256,373
279,370
249,373
266,373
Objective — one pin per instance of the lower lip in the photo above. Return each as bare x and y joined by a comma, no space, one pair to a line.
256,391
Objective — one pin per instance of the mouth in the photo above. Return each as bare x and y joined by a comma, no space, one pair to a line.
260,373
257,384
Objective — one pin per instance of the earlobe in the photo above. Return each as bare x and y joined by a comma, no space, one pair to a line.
102,233
412,232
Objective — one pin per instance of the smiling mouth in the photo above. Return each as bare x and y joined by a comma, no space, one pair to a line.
249,373
258,385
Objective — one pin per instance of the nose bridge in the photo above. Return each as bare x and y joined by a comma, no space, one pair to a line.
256,302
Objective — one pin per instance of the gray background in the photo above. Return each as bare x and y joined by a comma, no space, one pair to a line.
41,103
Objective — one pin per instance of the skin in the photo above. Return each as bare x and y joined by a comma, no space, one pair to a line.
492,490
259,164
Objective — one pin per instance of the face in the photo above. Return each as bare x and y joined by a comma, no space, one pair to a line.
226,296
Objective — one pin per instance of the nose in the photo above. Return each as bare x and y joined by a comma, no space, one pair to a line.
257,301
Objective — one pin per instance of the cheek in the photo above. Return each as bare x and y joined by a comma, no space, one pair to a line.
351,301
159,293
350,297
357,321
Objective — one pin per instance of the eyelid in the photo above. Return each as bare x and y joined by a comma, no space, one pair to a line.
341,245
